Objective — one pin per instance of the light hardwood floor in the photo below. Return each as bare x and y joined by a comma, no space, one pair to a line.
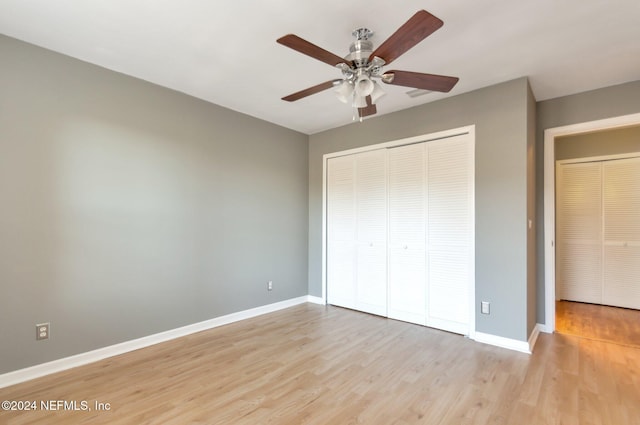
599,322
312,364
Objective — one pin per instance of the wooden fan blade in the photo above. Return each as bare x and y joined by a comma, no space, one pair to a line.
370,109
420,26
308,92
420,81
303,46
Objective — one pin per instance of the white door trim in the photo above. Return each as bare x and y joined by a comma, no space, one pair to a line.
600,158
549,201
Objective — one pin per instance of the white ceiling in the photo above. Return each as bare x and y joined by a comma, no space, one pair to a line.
225,51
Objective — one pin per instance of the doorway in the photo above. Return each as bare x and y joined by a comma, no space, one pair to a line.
579,317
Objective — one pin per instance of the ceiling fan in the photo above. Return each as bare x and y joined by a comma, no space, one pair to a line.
363,65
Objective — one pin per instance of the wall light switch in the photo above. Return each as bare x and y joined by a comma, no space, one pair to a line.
485,307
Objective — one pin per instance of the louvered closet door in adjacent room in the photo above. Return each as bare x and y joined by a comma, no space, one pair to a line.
579,232
621,209
598,232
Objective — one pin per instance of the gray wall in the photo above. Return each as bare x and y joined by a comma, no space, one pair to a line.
502,115
609,102
128,209
599,143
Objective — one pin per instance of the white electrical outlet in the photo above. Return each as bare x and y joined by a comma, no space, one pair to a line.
270,286
42,331
485,307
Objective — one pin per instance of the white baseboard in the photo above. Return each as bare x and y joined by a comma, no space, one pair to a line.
533,338
511,344
499,341
316,300
546,328
22,375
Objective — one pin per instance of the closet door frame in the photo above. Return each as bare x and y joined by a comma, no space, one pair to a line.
466,130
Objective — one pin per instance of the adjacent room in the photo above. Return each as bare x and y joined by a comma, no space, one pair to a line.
319,212
597,263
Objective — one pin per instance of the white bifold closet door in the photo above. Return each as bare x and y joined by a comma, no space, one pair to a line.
449,233
407,233
621,210
598,232
357,231
341,231
430,231
400,232
579,232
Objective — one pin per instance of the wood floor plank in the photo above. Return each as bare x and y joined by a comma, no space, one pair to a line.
319,365
599,322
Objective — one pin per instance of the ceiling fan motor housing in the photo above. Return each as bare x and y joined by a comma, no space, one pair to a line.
361,49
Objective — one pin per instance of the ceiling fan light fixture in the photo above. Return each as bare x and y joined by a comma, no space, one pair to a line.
364,86
344,92
359,101
377,93
388,77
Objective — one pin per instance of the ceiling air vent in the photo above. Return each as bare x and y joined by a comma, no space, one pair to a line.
418,92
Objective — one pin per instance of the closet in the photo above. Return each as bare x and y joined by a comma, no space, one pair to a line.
598,232
399,232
